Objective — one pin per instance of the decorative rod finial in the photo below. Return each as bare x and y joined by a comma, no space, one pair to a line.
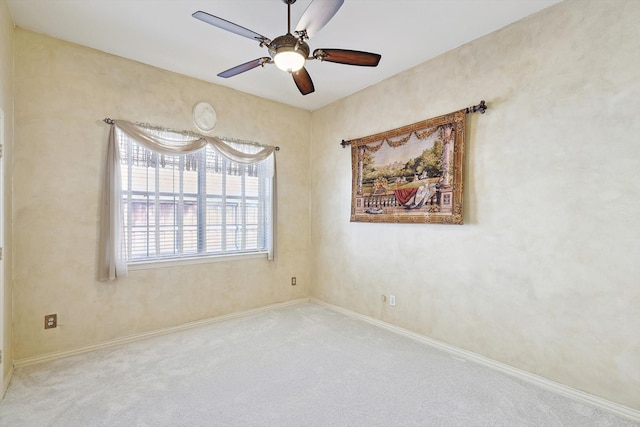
481,108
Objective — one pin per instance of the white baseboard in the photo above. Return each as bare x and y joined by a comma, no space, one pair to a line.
138,337
5,384
615,408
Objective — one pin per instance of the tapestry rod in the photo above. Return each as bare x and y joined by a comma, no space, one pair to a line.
480,108
110,121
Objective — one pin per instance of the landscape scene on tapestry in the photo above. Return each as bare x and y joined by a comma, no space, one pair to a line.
406,176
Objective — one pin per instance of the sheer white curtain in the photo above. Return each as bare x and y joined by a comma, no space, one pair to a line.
112,262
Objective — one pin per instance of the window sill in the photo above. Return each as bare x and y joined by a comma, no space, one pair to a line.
148,265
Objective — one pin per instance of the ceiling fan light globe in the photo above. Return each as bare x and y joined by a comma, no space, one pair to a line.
289,60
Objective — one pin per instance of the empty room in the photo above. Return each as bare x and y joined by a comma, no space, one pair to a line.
320,213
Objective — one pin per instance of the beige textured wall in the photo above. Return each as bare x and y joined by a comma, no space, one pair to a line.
6,104
62,92
545,275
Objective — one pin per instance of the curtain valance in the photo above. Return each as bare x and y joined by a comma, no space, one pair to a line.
112,258
165,145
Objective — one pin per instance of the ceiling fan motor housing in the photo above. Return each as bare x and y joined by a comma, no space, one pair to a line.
289,42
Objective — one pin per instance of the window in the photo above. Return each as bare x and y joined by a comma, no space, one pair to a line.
198,204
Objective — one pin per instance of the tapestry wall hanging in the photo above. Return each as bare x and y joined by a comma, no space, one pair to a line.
412,174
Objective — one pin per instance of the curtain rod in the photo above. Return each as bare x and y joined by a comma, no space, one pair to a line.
480,108
111,121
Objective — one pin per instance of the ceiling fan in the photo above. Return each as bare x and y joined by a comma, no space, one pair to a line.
290,51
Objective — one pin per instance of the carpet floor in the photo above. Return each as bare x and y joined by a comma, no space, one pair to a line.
298,365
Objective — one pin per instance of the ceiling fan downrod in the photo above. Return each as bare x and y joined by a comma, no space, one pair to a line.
289,3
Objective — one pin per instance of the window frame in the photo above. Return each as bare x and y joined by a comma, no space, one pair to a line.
262,201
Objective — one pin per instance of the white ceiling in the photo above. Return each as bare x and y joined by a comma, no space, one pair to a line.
164,34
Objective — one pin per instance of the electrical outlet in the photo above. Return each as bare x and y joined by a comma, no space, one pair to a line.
392,300
293,281
50,321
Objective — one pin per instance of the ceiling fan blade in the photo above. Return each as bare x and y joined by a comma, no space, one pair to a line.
244,67
349,57
227,25
303,81
317,14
